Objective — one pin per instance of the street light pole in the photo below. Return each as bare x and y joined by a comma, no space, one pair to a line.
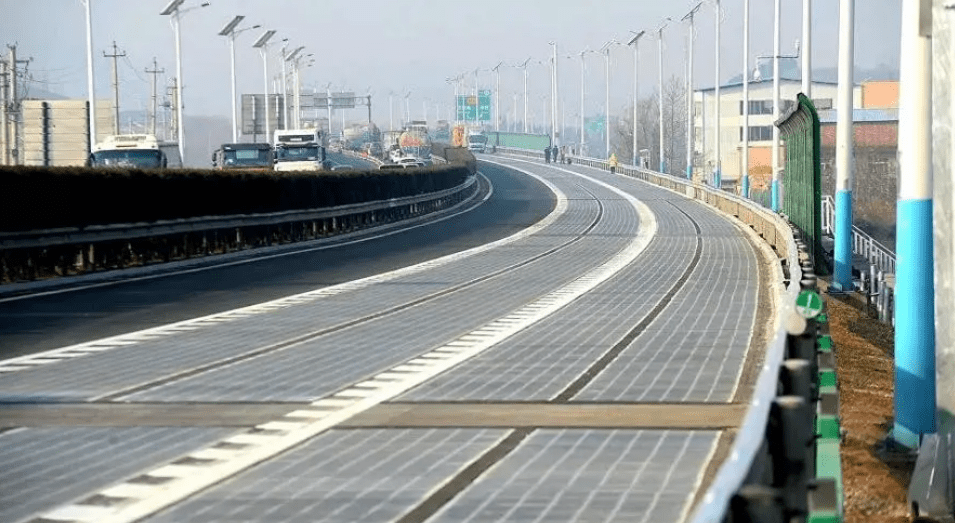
606,50
663,163
915,342
718,175
284,112
497,96
776,101
689,92
807,48
583,72
173,9
230,31
555,95
745,98
288,58
524,67
90,85
262,44
635,42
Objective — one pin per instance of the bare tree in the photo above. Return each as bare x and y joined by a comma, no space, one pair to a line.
648,128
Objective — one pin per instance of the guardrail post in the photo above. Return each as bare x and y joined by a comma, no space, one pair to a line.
790,435
757,503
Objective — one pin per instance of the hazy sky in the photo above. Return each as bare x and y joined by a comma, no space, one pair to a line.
414,45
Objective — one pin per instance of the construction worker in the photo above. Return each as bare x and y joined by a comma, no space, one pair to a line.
613,163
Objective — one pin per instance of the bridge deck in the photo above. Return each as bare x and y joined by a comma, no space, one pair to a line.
588,369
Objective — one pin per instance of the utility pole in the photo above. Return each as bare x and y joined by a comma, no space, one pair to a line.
116,54
155,71
14,105
175,113
4,128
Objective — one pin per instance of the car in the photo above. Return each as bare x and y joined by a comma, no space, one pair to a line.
410,161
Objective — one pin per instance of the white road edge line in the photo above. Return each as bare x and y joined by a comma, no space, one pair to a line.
190,479
133,338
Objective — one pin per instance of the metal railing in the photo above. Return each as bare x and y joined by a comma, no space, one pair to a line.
862,244
771,473
878,282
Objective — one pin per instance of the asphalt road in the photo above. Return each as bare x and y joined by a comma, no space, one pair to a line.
35,324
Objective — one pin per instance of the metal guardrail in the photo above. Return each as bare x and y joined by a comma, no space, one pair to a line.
33,254
878,283
862,244
777,469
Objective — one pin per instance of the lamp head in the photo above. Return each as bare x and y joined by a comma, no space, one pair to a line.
227,30
636,37
172,7
264,39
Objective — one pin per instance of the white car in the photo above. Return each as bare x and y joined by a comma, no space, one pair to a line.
410,161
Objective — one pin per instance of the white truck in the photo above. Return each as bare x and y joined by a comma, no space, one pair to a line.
477,142
300,150
129,150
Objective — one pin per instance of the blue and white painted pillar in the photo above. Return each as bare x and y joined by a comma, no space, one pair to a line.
915,285
845,164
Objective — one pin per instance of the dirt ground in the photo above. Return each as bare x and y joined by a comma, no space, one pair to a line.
875,477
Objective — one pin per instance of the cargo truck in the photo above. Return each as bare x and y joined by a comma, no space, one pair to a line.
243,157
301,150
129,150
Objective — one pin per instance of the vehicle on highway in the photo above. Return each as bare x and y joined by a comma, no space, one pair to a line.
414,141
410,161
243,157
129,150
477,142
300,150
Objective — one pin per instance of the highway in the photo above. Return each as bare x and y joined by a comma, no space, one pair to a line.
578,346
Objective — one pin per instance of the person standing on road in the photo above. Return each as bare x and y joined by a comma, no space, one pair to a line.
547,154
613,163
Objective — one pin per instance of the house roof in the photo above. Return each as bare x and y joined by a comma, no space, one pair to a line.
764,81
861,115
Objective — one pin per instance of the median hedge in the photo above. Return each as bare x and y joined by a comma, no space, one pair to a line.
34,198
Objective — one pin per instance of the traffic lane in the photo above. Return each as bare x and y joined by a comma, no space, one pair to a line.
46,322
350,161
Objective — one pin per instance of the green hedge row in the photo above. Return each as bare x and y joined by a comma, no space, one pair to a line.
34,198
455,155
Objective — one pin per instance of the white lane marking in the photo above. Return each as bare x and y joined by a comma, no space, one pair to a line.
190,479
133,338
257,258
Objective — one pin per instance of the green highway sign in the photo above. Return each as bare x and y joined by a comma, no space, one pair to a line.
472,108
809,304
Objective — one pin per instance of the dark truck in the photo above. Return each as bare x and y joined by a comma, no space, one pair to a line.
243,156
